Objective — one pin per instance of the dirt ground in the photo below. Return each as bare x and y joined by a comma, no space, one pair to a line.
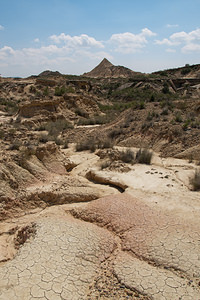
139,238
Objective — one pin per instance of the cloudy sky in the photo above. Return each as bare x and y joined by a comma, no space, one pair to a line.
73,36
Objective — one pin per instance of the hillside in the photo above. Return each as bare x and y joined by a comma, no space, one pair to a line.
188,71
157,107
107,70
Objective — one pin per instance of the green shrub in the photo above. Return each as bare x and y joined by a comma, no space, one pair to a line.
144,156
66,144
54,128
152,99
10,106
186,69
165,89
93,144
178,118
85,122
40,127
2,134
186,124
89,144
70,89
57,140
105,107
146,125
81,113
149,117
15,146
43,138
165,112
32,89
46,91
104,144
115,133
38,94
142,105
60,91
95,120
195,181
105,164
127,156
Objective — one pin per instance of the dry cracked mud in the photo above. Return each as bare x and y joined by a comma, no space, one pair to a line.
143,243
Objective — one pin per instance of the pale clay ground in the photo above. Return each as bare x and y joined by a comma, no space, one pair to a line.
148,237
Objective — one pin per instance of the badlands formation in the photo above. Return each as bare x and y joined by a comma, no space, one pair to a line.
99,185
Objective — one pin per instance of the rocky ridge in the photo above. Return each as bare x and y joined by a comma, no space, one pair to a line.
107,70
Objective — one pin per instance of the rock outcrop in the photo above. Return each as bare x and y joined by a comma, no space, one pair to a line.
107,70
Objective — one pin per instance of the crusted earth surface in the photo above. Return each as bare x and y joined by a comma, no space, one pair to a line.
141,242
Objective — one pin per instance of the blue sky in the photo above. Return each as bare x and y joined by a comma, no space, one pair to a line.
73,36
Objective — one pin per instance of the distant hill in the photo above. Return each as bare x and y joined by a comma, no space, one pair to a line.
49,73
107,70
188,71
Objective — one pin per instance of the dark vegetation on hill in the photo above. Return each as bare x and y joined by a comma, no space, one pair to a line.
160,111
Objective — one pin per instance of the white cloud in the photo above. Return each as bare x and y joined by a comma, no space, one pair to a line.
147,32
170,50
36,40
1,27
191,48
172,25
129,42
189,42
32,60
6,52
165,42
82,40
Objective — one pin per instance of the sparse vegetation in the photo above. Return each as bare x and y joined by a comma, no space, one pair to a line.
146,125
15,145
66,144
152,99
115,133
105,164
46,91
105,143
93,143
57,140
195,180
81,113
186,124
60,91
43,138
94,120
70,89
152,115
89,144
54,128
144,156
165,88
178,117
127,156
187,69
165,112
9,105
2,134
